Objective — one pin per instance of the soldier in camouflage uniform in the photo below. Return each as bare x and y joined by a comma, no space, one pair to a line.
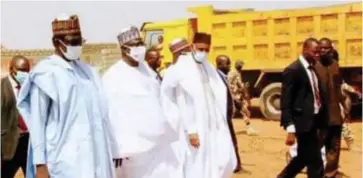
346,132
346,90
240,94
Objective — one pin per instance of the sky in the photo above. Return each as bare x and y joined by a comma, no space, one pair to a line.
27,25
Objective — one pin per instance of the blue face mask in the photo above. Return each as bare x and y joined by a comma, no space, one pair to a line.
201,56
21,76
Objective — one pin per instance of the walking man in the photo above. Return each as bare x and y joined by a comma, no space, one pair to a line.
224,65
63,106
198,95
15,135
303,112
328,71
239,93
143,134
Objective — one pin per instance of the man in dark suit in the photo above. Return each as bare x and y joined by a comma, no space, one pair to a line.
15,136
303,112
152,57
224,65
328,71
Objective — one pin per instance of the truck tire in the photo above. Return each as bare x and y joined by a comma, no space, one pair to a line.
270,101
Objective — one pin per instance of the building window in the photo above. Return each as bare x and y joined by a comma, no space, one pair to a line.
152,37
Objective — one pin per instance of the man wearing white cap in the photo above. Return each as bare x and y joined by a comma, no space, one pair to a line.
170,107
62,104
142,132
194,99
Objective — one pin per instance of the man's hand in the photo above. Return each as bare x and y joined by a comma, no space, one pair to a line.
42,171
359,94
290,139
194,140
118,162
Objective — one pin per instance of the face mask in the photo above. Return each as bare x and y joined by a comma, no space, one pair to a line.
137,53
327,55
225,70
200,56
21,76
73,52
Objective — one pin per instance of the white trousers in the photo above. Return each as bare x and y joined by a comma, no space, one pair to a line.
160,162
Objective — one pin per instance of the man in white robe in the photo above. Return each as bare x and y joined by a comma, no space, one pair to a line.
194,99
142,132
62,104
176,47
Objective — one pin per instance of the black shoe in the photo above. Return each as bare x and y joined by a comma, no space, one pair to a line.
337,175
240,170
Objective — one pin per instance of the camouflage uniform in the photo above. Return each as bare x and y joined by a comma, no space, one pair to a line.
238,93
346,132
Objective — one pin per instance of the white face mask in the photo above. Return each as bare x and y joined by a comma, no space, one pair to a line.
21,76
201,56
137,53
73,52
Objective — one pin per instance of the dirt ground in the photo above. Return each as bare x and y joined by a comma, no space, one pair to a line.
264,155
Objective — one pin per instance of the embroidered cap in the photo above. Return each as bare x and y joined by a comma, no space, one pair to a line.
128,34
66,24
178,44
202,38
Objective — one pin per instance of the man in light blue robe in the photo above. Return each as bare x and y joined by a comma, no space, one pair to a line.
63,106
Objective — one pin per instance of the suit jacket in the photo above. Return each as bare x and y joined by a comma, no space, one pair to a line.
9,120
230,105
331,83
297,100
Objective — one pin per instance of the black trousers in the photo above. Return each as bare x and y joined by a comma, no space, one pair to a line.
332,146
10,167
234,140
308,154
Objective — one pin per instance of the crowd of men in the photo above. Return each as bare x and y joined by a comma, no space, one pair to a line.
62,120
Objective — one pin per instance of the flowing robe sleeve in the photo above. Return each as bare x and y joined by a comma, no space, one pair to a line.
178,105
113,116
187,113
109,128
37,123
168,97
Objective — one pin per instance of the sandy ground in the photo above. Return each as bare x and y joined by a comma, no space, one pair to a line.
264,155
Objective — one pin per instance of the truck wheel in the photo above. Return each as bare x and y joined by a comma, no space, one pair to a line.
270,101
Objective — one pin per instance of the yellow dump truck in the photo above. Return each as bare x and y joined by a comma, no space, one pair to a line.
267,41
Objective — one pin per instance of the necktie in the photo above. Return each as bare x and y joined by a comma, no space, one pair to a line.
21,122
158,76
229,96
224,78
315,87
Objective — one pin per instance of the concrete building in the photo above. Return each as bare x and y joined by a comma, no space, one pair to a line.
99,55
